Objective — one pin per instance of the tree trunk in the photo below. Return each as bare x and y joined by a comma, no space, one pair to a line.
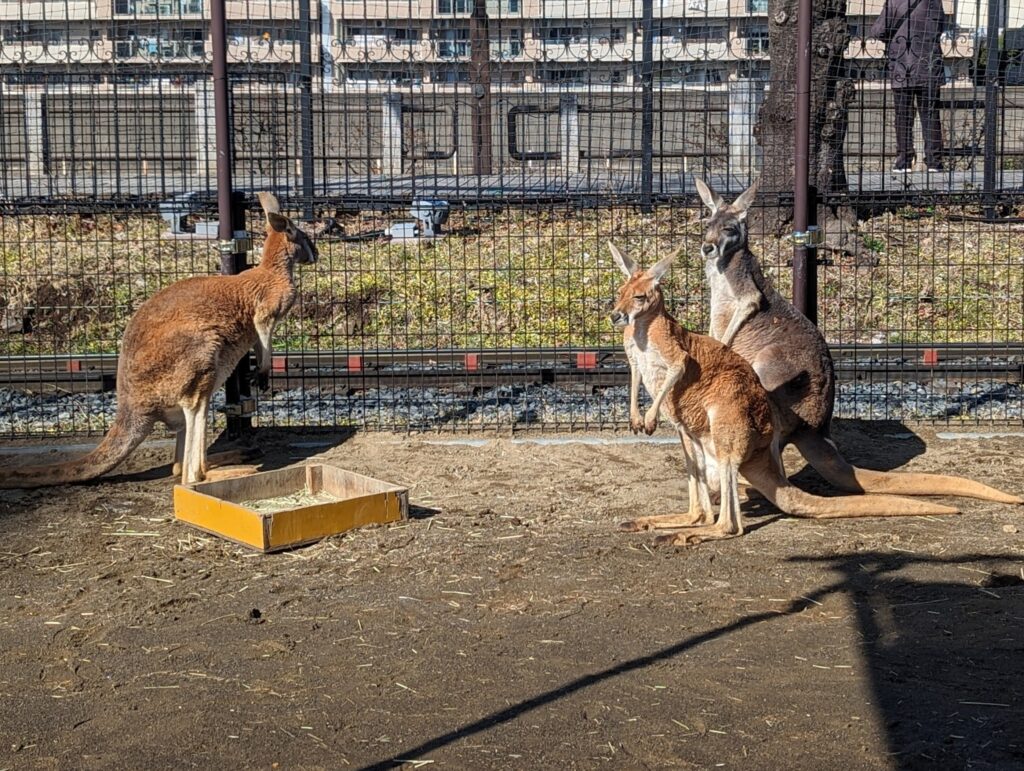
831,94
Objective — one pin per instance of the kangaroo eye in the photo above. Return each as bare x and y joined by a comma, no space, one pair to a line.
639,297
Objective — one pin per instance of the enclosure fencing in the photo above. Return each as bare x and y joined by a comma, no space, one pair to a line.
464,164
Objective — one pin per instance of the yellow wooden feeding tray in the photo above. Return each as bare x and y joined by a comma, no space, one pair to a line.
290,506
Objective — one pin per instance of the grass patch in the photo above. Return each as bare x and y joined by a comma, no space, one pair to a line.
511,278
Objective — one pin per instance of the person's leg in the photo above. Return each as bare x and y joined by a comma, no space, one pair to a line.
903,99
931,126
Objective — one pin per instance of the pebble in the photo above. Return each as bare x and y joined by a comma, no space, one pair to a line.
547,406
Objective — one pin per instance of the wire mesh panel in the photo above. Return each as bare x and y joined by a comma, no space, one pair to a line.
923,278
464,164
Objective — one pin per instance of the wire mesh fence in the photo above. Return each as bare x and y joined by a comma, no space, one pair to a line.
529,133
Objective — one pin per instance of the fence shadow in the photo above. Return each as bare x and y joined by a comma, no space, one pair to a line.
945,658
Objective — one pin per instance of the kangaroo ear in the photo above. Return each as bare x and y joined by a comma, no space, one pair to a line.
745,200
660,268
269,203
278,222
710,198
625,264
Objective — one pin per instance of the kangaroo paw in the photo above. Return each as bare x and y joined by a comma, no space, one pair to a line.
691,518
694,536
636,423
650,423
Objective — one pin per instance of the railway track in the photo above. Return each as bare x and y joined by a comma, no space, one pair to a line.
584,368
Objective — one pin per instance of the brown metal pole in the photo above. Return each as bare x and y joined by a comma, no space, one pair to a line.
230,212
222,108
804,263
480,79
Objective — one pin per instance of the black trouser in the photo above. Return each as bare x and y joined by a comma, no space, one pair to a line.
927,103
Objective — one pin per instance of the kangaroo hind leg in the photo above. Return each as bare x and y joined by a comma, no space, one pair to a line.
730,518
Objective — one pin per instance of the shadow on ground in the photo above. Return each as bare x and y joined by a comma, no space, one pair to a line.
944,659
861,443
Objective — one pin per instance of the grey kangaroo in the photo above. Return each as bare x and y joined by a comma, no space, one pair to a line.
792,359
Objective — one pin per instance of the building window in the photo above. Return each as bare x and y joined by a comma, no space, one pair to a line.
757,6
454,6
704,33
452,42
757,40
449,75
563,35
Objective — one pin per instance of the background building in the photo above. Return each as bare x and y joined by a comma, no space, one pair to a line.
428,44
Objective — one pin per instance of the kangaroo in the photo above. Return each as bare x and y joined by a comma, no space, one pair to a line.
713,398
792,359
180,347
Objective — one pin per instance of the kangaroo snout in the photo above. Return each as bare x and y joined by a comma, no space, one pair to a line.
707,250
619,318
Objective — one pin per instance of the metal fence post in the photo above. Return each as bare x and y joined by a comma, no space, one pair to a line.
230,211
569,134
306,107
647,108
206,130
991,109
805,279
34,117
744,100
391,142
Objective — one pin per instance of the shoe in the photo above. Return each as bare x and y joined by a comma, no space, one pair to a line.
900,169
936,169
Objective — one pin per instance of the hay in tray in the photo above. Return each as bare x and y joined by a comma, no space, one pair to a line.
301,498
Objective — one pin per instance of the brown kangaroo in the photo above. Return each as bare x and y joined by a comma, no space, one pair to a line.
180,347
793,361
713,398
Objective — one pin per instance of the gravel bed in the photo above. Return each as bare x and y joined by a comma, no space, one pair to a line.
430,408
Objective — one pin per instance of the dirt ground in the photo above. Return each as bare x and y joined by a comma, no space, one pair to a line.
508,624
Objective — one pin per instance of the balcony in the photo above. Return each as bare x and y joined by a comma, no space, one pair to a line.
508,51
959,46
452,50
159,9
258,50
55,52
750,47
677,49
51,10
585,49
281,10
391,10
700,9
150,49
379,48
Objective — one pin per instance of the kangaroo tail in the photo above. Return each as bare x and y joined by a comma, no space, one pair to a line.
124,435
822,453
764,476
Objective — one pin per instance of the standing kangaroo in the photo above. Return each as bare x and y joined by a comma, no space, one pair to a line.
792,359
722,413
180,347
